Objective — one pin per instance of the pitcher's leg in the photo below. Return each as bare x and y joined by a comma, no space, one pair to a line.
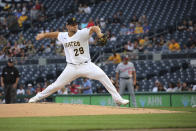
98,74
131,91
66,77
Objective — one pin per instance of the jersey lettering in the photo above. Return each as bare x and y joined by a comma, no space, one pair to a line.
72,43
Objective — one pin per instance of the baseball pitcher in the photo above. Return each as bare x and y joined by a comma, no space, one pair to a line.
76,48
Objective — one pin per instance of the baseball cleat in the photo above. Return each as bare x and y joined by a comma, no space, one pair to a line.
122,102
33,100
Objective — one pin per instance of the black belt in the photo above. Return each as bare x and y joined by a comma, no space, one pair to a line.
78,63
125,78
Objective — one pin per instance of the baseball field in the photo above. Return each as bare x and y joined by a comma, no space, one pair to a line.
75,117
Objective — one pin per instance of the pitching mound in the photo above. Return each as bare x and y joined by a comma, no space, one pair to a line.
54,109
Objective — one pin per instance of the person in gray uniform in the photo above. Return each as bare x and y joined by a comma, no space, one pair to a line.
125,71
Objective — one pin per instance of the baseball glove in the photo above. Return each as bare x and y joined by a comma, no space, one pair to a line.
102,41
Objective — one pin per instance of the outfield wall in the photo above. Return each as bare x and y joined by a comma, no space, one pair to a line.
182,99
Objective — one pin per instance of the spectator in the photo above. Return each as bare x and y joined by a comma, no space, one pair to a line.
184,86
131,30
83,25
74,89
90,23
165,47
28,92
7,7
41,49
194,27
21,45
31,89
183,26
129,46
131,25
143,19
38,6
81,9
102,23
136,45
120,15
161,41
29,5
87,86
91,40
12,23
34,14
63,91
123,30
24,8
22,19
155,88
141,44
191,44
21,90
134,19
194,88
146,27
46,84
21,39
16,48
161,87
3,40
115,58
30,50
108,34
113,38
190,25
2,55
115,19
138,29
38,88
174,46
178,87
18,13
97,22
101,89
48,49
87,9
141,41
171,88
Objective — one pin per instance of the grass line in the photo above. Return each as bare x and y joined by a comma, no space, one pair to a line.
81,123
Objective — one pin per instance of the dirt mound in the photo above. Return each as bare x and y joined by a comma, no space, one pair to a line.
55,109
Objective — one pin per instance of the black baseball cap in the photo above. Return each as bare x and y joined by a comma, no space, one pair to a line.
10,60
72,21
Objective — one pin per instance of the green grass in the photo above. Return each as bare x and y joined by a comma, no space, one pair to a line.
83,123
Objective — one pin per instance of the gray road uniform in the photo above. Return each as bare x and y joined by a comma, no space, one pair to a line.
126,79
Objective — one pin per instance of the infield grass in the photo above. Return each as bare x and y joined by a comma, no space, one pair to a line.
84,123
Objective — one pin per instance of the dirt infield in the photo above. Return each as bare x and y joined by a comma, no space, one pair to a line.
55,109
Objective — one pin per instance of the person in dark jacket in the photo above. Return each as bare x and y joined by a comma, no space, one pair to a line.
9,81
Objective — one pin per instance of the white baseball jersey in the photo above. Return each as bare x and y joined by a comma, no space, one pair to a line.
76,47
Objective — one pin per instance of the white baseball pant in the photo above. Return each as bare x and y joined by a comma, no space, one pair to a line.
72,72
